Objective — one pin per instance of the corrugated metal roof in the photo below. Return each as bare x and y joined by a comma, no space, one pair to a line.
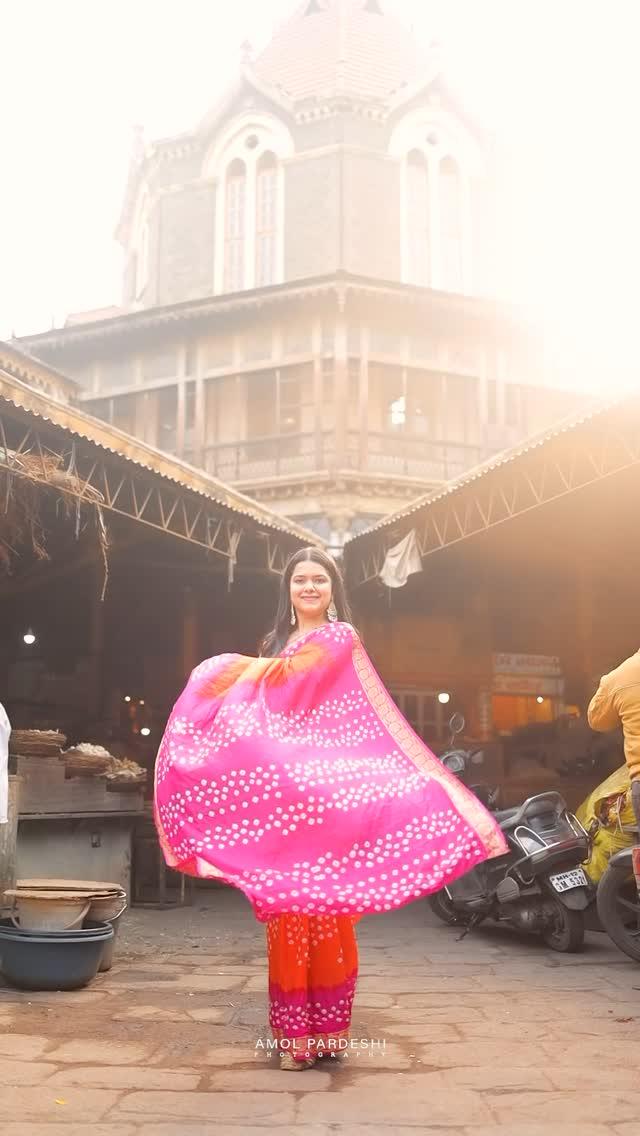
340,283
501,460
81,425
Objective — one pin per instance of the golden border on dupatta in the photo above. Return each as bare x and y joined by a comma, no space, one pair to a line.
415,749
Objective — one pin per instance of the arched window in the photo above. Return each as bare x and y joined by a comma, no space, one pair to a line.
266,220
246,162
440,161
234,227
451,226
417,218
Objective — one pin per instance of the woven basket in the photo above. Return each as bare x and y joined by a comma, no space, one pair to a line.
78,764
36,743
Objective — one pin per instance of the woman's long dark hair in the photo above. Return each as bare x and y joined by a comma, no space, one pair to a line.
276,639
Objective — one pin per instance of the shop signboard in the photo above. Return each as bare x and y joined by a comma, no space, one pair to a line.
540,685
507,663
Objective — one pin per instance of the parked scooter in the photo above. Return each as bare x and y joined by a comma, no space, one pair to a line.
618,900
539,885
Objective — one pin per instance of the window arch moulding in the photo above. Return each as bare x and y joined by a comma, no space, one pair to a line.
429,143
262,144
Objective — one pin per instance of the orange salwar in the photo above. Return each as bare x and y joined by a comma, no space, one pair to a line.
313,968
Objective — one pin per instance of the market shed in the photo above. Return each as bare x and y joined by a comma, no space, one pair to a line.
526,592
120,568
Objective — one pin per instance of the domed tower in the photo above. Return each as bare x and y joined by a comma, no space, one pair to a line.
338,149
306,307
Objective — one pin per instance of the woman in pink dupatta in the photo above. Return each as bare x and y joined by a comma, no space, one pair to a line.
295,778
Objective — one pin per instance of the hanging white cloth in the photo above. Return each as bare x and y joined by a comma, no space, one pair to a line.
5,730
401,561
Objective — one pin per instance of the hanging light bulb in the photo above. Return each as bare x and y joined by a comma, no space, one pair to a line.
444,697
145,731
127,698
29,638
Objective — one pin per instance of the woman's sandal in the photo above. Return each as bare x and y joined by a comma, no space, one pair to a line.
291,1064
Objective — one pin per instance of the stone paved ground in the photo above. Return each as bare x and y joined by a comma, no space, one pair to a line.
493,1035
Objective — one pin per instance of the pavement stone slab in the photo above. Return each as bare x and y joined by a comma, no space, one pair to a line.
544,1130
273,1080
394,1099
24,1045
558,1109
29,1128
590,1051
208,982
24,1072
485,1077
43,1104
417,1030
125,1077
237,1107
214,1129
92,1051
467,1053
52,997
594,1077
494,1036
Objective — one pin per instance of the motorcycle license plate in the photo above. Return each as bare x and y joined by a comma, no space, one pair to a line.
564,881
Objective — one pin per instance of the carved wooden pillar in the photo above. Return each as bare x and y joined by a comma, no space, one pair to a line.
341,392
363,398
318,442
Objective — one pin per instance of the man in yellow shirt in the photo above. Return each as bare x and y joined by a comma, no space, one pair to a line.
617,703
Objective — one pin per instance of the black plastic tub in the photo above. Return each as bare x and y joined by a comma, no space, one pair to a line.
52,960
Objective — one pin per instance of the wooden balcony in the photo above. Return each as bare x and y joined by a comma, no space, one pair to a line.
298,455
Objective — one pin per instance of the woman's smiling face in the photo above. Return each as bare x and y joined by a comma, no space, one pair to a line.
310,590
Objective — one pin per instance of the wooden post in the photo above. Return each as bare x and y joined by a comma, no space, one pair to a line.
189,632
318,416
341,393
96,637
201,411
363,398
584,627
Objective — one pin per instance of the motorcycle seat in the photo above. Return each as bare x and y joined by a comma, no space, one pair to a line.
537,806
503,816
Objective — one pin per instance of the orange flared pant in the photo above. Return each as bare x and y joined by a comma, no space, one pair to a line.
313,968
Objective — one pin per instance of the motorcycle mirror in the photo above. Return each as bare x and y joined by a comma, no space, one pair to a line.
477,758
457,723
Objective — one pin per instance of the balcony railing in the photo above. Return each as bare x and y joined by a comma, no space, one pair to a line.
291,455
268,457
404,455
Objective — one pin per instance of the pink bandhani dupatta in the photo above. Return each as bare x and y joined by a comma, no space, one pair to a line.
297,780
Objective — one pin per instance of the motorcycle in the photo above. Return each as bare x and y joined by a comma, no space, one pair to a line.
539,886
618,900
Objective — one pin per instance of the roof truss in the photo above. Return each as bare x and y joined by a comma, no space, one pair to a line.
545,473
97,479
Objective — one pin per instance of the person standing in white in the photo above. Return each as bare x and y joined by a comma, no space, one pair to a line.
5,730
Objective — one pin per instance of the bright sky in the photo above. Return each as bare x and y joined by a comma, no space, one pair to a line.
557,79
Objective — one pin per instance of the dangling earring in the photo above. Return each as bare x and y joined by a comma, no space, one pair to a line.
293,616
332,612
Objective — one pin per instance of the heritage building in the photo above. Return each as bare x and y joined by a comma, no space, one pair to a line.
308,276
